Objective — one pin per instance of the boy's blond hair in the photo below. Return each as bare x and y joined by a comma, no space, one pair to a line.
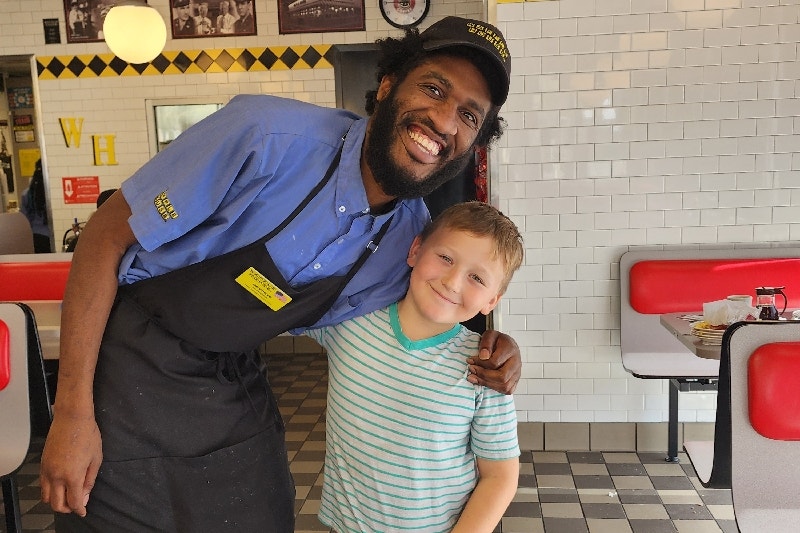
482,220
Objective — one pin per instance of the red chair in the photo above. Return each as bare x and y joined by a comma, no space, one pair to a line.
755,452
25,402
756,446
765,426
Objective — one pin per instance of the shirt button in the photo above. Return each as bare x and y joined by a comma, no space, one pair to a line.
317,266
342,209
340,241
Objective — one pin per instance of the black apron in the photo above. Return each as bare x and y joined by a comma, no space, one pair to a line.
192,437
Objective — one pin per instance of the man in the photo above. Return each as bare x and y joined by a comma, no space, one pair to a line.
245,24
225,19
75,20
201,21
183,25
176,280
5,164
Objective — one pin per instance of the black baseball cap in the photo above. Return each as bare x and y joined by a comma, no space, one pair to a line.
482,36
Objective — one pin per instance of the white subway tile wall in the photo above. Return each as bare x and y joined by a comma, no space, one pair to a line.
631,122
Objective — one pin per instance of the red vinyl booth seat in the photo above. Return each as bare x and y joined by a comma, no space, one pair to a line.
773,390
26,281
675,285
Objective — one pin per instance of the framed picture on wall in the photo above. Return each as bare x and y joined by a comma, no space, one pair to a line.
212,18
84,20
312,16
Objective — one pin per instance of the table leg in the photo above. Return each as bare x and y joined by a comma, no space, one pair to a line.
672,425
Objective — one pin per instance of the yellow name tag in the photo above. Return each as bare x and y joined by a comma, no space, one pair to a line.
259,286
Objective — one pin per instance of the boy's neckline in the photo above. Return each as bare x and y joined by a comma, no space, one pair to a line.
418,344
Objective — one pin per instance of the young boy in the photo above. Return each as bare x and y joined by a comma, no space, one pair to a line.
411,444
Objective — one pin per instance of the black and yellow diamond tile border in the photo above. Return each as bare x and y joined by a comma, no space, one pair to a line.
188,62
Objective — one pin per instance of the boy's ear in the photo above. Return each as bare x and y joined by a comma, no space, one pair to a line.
491,305
413,252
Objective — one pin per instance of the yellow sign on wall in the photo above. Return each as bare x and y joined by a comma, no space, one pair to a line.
27,160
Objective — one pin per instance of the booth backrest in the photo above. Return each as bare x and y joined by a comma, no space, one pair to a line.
36,277
15,403
773,390
661,286
764,480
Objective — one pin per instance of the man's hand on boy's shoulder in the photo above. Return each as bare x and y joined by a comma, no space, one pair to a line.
499,363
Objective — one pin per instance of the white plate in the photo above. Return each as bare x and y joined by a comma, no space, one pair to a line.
707,336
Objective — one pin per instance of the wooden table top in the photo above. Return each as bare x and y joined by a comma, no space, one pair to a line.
682,329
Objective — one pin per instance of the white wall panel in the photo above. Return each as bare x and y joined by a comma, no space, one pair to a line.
683,131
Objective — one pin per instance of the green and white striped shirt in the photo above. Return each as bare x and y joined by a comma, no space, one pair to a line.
404,426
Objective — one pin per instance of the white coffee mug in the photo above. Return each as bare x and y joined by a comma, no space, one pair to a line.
746,298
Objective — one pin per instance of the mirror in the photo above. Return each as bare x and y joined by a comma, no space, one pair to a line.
20,150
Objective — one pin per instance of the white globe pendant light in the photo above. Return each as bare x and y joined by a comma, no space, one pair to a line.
134,31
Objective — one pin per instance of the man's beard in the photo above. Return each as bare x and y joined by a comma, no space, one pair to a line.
393,179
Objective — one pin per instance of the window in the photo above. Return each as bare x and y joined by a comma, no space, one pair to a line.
166,119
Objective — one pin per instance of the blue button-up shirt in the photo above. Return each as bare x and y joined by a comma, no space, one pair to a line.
231,178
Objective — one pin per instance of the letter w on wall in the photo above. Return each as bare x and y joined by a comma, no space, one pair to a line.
72,130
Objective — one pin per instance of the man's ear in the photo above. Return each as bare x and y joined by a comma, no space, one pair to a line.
413,252
384,87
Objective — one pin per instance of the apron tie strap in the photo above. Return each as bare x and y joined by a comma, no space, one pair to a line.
235,366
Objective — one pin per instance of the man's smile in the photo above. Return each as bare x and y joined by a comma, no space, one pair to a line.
423,141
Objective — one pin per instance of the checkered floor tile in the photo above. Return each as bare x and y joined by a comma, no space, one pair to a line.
559,492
